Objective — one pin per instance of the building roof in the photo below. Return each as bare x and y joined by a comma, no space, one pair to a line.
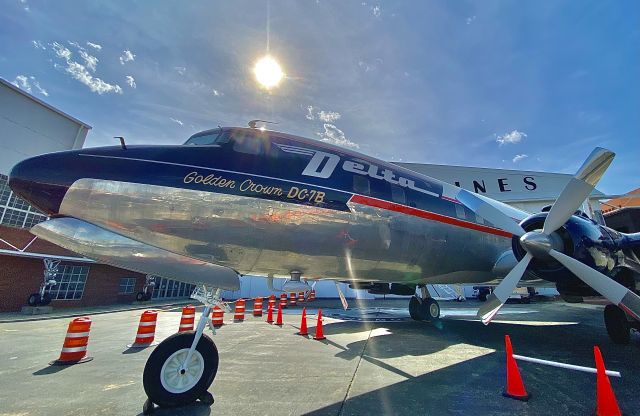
632,199
42,103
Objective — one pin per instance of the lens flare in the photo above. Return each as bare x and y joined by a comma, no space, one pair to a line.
268,72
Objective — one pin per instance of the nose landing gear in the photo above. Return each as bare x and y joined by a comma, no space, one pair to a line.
424,307
182,367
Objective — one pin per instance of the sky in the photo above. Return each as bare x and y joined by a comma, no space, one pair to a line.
525,85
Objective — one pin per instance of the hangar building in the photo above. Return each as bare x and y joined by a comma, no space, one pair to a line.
30,127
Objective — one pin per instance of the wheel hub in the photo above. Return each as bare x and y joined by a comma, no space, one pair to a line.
177,376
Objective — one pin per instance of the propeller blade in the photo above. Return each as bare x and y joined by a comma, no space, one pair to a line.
503,291
603,284
578,189
489,212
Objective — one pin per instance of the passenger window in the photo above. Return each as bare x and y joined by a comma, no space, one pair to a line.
397,195
460,212
361,185
246,143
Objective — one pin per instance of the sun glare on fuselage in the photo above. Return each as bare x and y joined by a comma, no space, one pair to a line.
268,72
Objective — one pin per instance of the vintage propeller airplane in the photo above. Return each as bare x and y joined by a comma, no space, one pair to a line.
234,201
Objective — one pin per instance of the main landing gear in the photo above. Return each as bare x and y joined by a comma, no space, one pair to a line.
618,324
182,367
424,307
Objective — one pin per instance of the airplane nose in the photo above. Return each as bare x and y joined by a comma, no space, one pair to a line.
39,181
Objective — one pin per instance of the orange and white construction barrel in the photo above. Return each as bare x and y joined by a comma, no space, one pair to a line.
257,306
217,317
283,300
146,330
292,299
187,319
74,348
238,315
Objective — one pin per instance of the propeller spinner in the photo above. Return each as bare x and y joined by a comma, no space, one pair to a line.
541,244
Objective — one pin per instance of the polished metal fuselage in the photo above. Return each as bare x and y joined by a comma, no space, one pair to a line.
264,237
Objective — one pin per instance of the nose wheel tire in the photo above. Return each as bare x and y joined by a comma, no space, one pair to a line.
168,381
618,327
34,299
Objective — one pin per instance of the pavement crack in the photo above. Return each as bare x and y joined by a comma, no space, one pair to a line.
346,394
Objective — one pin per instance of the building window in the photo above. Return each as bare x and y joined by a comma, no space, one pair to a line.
70,284
14,211
127,284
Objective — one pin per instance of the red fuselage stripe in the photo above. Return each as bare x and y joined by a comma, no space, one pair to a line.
391,206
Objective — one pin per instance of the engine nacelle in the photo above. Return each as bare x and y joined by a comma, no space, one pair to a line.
583,239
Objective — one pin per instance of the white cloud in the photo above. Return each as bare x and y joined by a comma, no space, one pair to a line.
90,61
329,116
25,83
180,69
471,19
217,93
94,46
127,56
81,74
175,120
518,158
25,5
310,115
131,81
334,135
376,11
514,137
38,45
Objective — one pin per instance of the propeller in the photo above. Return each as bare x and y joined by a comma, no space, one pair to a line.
539,244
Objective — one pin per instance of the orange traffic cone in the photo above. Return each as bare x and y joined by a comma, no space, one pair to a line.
319,332
515,387
303,323
238,315
270,313
606,403
146,330
74,348
217,317
279,318
187,319
257,307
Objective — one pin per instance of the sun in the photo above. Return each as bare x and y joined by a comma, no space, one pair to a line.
268,72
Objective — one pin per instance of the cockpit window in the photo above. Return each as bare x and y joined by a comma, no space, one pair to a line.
215,137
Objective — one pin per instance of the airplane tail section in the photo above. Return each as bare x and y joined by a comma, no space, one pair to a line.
116,250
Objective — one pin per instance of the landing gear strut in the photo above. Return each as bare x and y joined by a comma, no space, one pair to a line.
182,367
424,307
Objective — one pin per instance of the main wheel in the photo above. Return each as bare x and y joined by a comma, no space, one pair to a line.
414,308
618,328
34,299
140,296
165,381
430,309
46,299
